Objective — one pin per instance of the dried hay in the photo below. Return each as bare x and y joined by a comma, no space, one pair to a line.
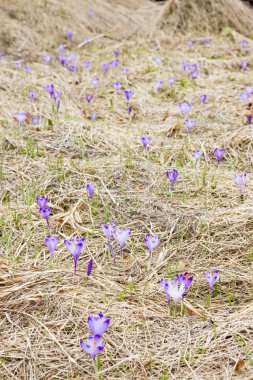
206,16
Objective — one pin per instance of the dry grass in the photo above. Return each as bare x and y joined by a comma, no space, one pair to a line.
204,225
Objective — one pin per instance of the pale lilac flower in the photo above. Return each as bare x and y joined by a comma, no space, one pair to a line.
108,229
165,286
249,119
21,117
197,155
42,202
98,324
244,96
190,123
18,65
117,86
35,120
90,12
73,68
115,62
32,95
64,60
249,89
203,99
75,247
70,35
219,153
145,140
212,278
47,58
126,72
244,44
194,74
86,39
45,212
50,89
159,84
121,236
244,65
105,66
93,116
117,52
172,176
93,345
207,41
51,243
185,108
171,81
61,48
89,98
185,279
95,82
158,60
87,64
175,290
240,180
90,266
185,65
90,188
151,242
189,43
128,94
28,69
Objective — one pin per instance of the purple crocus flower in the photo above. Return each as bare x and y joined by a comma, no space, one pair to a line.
207,41
50,89
244,44
35,120
70,35
171,81
105,66
185,279
185,65
61,48
117,86
18,65
151,242
219,153
130,109
145,140
117,52
172,176
108,230
194,74
159,84
94,82
175,290
73,68
93,345
240,180
45,212
197,155
190,123
90,12
47,58
32,95
115,62
28,69
203,99
185,108
128,94
93,116
249,89
75,247
121,236
189,43
42,202
87,64
98,324
89,98
249,119
90,266
51,243
244,96
244,65
165,286
158,60
90,188
64,61
21,117
212,278
126,72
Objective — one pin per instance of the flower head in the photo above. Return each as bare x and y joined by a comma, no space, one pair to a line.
47,58
175,290
90,188
51,243
197,154
105,66
18,65
171,81
42,202
244,65
98,324
45,212
108,230
87,64
70,35
75,247
190,123
172,176
185,108
89,98
185,279
244,96
128,94
35,120
95,82
117,86
212,278
244,44
126,72
21,117
151,242
117,52
159,84
115,62
185,65
240,180
121,236
219,153
203,99
93,345
32,95
145,140
249,118
73,68
28,69
90,266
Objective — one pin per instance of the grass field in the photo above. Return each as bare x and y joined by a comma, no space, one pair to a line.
203,224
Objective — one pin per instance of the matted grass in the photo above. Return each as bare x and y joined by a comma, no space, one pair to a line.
203,225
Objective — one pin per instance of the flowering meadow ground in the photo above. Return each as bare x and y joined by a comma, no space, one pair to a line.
158,128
